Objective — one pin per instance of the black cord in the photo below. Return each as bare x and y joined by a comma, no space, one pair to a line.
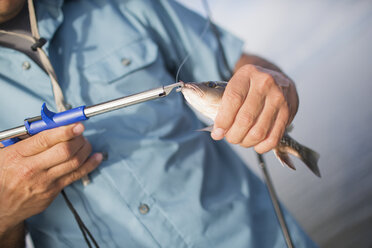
84,230
274,200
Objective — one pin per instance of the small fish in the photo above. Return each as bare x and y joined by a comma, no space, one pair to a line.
206,98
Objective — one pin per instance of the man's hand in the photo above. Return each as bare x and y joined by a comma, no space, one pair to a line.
35,170
257,106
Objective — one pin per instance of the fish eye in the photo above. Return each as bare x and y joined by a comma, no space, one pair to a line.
212,85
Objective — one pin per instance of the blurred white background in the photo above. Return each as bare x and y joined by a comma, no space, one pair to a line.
326,47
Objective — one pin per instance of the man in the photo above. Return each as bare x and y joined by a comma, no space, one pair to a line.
163,185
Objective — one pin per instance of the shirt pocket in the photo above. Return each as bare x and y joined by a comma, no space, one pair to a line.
122,62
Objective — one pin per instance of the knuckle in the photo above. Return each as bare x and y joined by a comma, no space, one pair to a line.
65,150
233,139
66,131
76,175
245,119
265,84
75,163
235,98
278,98
257,134
248,68
268,78
42,141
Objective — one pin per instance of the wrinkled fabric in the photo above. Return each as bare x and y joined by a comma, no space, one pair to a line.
198,192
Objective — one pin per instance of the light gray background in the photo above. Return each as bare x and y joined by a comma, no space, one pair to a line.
326,47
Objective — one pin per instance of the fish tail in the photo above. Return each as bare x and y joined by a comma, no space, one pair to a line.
288,146
310,158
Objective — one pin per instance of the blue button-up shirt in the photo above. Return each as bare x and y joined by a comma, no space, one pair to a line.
163,185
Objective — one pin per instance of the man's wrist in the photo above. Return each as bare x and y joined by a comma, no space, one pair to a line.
8,223
255,60
13,236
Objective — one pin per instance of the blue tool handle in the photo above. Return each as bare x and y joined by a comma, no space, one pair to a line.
10,142
51,120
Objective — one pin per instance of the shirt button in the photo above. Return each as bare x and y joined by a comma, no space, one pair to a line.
125,61
26,65
144,208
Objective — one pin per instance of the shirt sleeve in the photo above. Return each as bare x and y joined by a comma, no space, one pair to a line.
181,34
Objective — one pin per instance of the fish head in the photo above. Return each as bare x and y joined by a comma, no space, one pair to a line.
204,97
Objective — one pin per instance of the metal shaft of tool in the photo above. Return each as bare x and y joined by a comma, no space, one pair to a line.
275,202
100,108
123,102
13,133
104,107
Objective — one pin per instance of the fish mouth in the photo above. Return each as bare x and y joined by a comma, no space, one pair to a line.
194,88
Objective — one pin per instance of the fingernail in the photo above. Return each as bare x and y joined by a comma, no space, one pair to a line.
78,129
218,133
98,157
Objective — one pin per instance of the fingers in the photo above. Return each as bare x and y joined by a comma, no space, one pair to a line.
276,132
246,117
262,127
59,153
254,109
36,169
72,164
81,171
48,138
232,100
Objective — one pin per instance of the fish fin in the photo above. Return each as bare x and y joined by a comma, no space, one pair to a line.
284,159
206,129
